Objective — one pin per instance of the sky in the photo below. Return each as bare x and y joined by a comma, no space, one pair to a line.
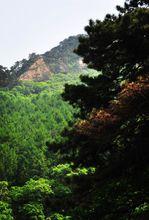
29,26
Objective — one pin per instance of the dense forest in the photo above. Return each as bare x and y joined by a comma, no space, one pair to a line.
76,146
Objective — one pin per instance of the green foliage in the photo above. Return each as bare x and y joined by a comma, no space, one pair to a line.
141,209
117,54
38,197
8,162
5,76
33,190
67,170
93,92
5,211
113,138
4,191
98,168
57,216
33,211
111,46
31,114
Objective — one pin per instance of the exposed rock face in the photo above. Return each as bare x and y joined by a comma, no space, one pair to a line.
57,60
37,71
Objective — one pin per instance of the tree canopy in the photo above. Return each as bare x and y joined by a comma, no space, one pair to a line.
4,76
112,136
118,47
95,166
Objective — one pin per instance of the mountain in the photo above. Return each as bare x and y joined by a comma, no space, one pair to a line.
60,59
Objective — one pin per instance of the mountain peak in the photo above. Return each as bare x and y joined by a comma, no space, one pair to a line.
59,59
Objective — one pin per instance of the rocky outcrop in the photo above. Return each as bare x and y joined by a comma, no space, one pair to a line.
57,60
37,71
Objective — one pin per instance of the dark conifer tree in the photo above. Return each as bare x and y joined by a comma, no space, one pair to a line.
117,47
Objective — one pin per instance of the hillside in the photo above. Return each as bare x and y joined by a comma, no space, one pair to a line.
74,141
60,59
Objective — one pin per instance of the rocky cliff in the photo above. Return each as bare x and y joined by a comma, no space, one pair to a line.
57,60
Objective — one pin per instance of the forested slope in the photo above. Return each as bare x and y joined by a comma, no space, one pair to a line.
80,152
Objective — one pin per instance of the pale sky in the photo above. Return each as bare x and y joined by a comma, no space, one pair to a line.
29,26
